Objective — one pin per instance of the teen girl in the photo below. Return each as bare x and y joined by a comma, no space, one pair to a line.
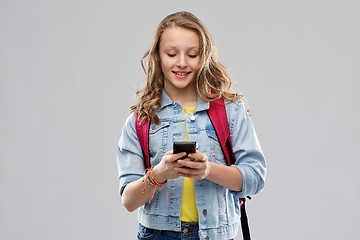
196,197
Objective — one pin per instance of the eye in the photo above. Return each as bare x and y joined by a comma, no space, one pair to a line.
192,56
171,55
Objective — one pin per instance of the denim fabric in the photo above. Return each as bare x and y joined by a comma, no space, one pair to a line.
218,207
189,231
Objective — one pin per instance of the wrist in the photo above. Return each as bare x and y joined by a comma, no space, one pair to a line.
207,170
157,175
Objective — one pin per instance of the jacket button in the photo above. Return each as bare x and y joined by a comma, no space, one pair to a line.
207,238
204,212
192,118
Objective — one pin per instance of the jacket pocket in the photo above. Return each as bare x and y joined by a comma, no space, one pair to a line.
158,137
147,233
216,151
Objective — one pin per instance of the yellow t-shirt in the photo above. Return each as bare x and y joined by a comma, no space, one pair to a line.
189,212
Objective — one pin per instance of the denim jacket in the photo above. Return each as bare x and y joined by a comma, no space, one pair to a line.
218,207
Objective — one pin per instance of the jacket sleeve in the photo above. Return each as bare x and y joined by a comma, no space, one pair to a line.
129,155
249,158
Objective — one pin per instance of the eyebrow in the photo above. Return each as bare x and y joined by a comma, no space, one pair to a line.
169,47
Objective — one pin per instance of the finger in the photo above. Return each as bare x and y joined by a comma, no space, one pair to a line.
204,158
198,156
185,163
192,174
169,153
170,158
177,156
186,158
192,164
189,171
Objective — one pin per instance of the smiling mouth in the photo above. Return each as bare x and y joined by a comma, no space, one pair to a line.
182,73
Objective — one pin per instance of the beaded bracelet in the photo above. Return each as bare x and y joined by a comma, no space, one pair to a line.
152,182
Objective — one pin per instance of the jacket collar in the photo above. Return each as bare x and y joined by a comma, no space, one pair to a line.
166,101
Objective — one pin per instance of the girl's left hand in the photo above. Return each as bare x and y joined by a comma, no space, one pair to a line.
196,166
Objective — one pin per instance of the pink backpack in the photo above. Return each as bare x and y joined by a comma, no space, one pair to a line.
218,118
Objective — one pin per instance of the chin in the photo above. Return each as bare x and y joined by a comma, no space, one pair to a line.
182,85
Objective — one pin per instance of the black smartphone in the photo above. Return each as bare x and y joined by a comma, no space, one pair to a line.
188,147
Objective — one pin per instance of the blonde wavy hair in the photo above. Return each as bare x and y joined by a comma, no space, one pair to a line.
212,81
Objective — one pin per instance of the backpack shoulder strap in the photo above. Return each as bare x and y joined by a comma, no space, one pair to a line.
142,131
218,118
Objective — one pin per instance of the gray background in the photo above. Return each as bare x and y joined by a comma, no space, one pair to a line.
68,73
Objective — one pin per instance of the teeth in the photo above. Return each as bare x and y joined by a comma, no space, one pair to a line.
181,74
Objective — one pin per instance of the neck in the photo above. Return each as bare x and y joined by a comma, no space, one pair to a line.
186,96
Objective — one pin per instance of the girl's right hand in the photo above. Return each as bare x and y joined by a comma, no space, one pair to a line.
166,168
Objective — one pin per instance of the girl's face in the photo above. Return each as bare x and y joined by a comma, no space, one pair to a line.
179,56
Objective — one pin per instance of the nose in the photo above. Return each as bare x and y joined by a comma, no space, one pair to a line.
182,62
